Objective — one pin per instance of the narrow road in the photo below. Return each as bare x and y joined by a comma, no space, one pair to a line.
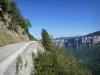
9,50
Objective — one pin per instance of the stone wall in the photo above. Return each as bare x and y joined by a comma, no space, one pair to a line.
27,62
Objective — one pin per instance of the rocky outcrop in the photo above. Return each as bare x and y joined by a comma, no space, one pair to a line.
17,36
81,40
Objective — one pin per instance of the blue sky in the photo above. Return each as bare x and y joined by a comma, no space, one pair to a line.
61,17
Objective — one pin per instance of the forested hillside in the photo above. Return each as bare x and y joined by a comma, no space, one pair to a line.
87,56
12,19
85,49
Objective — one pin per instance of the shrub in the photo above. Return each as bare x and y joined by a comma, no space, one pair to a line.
54,62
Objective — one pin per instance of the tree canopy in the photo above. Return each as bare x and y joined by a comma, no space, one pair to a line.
46,40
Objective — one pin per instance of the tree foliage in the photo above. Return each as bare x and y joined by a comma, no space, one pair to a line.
17,20
89,56
31,37
5,5
46,40
54,62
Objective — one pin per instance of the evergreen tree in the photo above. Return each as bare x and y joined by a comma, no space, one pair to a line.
46,40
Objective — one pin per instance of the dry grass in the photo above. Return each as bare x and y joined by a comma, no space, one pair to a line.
6,38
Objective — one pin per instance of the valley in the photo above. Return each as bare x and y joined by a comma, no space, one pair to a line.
85,49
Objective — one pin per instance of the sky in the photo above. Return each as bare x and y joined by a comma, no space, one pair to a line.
61,18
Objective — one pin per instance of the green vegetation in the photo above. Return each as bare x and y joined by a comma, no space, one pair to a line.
18,64
54,62
5,4
89,56
46,40
31,37
16,19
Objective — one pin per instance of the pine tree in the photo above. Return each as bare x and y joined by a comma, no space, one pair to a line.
46,40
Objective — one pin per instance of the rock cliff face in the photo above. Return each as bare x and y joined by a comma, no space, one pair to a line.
10,36
86,40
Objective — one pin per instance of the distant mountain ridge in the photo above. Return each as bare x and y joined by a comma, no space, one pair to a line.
92,38
85,49
97,33
93,34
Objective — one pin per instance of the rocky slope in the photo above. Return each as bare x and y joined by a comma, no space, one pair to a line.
8,36
13,26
